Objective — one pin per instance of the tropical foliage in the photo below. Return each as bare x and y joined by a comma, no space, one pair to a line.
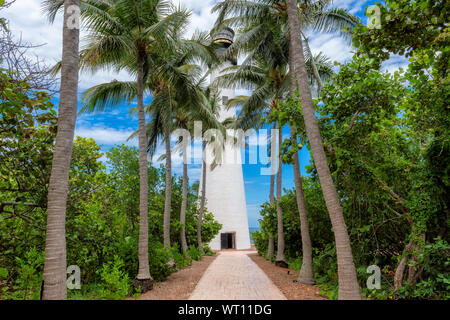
102,220
381,134
376,190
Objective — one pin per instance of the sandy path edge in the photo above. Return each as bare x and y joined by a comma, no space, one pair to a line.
179,285
285,282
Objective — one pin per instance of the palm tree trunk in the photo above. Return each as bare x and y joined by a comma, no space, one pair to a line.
271,244
184,193
271,247
273,144
281,258
168,196
202,201
306,274
143,278
54,287
348,282
272,187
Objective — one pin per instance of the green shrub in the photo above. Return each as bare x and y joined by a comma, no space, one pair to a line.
27,285
260,241
194,252
181,261
295,264
207,251
159,259
115,282
434,258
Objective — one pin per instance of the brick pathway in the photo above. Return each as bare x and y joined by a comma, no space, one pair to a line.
234,276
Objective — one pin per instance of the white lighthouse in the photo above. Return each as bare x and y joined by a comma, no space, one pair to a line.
225,193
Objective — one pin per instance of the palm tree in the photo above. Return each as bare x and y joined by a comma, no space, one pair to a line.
259,18
54,287
172,109
271,243
131,35
178,101
306,274
175,111
184,194
267,77
202,200
281,257
265,72
212,105
348,283
179,120
159,128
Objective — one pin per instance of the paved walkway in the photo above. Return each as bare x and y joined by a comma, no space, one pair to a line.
234,276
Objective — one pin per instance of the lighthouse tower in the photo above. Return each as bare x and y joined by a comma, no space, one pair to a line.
225,193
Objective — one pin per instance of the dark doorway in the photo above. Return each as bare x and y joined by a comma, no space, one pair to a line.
227,240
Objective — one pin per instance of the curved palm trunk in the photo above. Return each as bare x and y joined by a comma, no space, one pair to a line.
348,283
281,258
271,244
271,247
306,274
54,287
143,278
168,196
202,202
184,193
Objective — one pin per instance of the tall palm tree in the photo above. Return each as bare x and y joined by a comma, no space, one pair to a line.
202,199
179,111
271,241
55,244
179,120
184,194
265,72
159,128
179,100
172,109
212,104
267,77
306,274
258,19
348,283
131,35
281,257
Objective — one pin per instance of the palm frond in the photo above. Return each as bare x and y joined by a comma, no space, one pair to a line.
108,95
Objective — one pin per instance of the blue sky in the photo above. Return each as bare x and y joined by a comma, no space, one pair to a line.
113,127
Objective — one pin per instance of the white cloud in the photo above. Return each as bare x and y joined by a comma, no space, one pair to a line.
333,46
353,6
27,21
105,135
394,63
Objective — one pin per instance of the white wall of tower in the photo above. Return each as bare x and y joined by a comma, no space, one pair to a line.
225,193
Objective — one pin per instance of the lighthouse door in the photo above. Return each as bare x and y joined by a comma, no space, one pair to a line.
227,240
